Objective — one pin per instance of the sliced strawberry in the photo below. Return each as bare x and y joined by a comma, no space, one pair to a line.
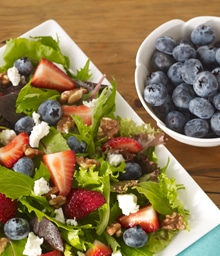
123,143
10,153
8,208
61,166
83,111
48,75
99,249
81,202
52,253
146,217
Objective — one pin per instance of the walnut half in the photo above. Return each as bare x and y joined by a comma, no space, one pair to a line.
173,222
114,229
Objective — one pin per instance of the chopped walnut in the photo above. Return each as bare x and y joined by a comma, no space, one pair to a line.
3,244
65,124
53,191
108,128
173,222
32,152
86,163
114,229
4,79
57,201
72,96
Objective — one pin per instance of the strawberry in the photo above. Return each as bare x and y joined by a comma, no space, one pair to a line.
61,167
81,202
52,253
8,208
48,75
123,143
99,249
10,153
146,217
83,111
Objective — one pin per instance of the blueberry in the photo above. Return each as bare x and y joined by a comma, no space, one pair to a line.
161,61
175,120
203,34
201,108
16,228
175,73
206,54
76,145
216,101
24,124
182,95
24,66
155,94
215,123
24,165
162,110
190,69
205,84
216,73
50,111
217,55
183,52
156,77
133,171
197,128
165,44
135,237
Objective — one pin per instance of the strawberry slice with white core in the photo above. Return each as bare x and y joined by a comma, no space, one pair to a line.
61,167
99,249
48,75
83,111
10,153
146,217
123,143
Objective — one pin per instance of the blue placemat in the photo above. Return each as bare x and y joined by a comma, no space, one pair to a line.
208,245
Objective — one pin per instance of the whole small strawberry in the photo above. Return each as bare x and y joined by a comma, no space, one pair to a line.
8,208
81,202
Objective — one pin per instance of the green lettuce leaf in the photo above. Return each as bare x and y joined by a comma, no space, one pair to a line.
15,184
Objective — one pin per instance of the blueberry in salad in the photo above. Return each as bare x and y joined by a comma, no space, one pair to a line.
96,183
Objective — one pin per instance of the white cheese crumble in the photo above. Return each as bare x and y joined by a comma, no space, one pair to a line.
80,254
72,222
115,159
128,203
59,215
117,253
14,76
6,136
90,103
32,246
41,187
40,130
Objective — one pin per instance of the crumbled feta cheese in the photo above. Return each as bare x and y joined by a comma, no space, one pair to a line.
117,253
72,222
14,76
59,215
6,136
128,203
90,103
32,246
80,254
36,117
115,159
38,132
41,187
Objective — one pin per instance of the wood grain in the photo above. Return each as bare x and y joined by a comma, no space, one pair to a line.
110,32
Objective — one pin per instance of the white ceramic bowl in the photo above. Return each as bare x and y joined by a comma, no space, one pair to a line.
178,29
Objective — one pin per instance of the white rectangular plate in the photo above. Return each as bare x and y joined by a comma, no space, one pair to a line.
204,213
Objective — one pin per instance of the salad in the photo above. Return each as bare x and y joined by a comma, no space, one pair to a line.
76,179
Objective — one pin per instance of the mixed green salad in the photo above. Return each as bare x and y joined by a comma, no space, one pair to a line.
103,136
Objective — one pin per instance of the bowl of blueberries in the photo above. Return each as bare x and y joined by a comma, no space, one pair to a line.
177,79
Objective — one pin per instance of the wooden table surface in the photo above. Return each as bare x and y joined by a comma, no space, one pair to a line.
110,32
